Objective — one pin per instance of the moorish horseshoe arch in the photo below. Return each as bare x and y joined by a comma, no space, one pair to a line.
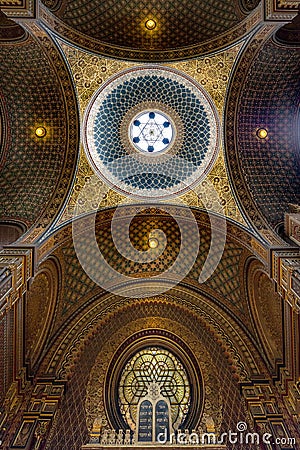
170,345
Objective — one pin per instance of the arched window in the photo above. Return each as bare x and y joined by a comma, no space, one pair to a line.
154,369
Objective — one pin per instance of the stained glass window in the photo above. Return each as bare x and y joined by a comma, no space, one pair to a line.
151,131
160,366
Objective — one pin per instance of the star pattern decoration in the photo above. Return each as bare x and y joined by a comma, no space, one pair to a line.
154,372
154,390
151,132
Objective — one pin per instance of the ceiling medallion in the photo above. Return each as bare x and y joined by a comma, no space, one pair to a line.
41,132
150,24
151,132
151,138
262,133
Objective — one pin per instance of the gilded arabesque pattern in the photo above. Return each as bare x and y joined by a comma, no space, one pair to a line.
212,73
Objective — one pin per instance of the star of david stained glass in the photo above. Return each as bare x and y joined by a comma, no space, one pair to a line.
154,371
151,131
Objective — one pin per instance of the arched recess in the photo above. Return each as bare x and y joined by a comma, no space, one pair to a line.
36,92
39,309
84,350
11,231
267,312
264,95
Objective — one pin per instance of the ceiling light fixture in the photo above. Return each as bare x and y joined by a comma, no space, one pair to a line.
262,133
153,242
150,24
41,132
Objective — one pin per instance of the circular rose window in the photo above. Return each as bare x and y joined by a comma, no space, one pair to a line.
151,131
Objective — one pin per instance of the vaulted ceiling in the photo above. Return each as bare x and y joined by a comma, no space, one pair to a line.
178,29
179,23
35,91
264,94
54,66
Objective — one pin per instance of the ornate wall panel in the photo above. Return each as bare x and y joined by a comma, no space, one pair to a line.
266,306
40,304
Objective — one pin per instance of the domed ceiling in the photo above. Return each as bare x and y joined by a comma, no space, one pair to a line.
263,151
154,148
150,29
36,169
113,96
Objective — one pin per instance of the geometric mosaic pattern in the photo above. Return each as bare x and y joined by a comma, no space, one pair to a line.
269,169
136,172
158,366
32,178
212,72
10,30
226,281
180,23
34,167
272,167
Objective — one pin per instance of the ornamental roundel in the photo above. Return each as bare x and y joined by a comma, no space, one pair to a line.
151,132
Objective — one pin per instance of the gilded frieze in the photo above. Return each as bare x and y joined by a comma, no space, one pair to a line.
19,8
